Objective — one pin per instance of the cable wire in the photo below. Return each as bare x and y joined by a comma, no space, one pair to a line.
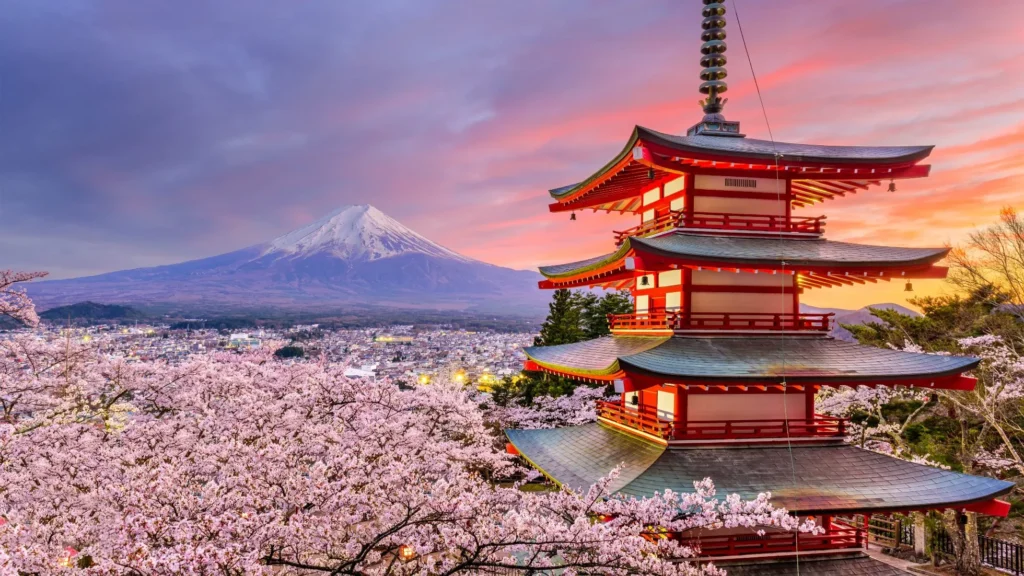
782,254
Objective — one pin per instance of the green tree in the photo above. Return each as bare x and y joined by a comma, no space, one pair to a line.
289,352
594,311
562,325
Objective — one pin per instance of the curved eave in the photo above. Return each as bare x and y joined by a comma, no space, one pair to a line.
664,251
807,480
659,246
872,162
591,358
739,361
747,149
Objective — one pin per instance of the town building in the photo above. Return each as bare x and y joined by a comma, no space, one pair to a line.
716,370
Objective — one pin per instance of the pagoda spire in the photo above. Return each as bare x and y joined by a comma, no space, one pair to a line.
713,73
713,57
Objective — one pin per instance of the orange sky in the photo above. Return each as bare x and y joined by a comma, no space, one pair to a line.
151,135
878,73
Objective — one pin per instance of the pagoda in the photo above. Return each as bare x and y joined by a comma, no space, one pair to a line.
717,369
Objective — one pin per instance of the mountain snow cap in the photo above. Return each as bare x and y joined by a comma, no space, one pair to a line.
357,232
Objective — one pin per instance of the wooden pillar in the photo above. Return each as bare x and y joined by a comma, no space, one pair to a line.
680,411
920,534
809,403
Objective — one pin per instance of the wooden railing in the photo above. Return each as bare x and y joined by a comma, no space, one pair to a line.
667,221
644,419
753,222
818,427
774,542
764,223
721,321
634,417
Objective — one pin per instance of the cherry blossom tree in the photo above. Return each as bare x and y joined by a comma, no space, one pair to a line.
239,464
14,303
579,407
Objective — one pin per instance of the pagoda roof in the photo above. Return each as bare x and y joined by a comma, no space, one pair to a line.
804,479
859,565
813,359
769,253
626,175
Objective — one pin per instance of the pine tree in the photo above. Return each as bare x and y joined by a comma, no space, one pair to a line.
594,311
562,325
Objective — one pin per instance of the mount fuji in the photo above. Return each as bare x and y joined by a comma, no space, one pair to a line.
354,256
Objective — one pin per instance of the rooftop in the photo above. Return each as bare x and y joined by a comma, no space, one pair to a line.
769,253
815,359
804,479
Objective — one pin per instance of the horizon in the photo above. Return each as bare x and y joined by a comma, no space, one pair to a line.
169,138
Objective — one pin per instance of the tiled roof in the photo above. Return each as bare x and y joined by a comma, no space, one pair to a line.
598,356
765,149
817,359
805,479
770,252
811,566
795,252
579,456
762,150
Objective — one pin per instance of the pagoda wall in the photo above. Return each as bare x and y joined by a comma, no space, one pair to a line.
735,195
721,407
713,291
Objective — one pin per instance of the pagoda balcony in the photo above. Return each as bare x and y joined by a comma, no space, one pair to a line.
819,427
725,222
838,537
682,322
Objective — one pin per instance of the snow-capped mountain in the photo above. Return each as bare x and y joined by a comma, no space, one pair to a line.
356,233
357,255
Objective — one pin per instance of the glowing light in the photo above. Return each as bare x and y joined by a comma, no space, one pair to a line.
406,553
424,379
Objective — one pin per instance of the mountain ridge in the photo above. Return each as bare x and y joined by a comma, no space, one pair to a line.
354,255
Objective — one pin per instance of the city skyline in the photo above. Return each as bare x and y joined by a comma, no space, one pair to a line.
156,135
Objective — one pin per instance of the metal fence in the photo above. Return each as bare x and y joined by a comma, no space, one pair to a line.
998,554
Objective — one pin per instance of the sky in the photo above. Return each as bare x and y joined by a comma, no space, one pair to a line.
143,133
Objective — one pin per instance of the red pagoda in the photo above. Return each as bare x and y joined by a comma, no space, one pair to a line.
717,369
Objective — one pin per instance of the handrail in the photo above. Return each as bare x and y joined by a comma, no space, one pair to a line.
644,419
661,223
636,418
818,426
724,221
754,222
721,321
738,544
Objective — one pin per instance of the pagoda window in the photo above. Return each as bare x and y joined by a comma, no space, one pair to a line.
675,186
649,215
670,278
760,185
673,301
666,404
677,204
642,304
652,196
741,407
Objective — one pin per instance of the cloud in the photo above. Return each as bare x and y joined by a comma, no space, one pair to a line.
150,133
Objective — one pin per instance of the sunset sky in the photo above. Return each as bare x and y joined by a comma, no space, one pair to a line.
144,133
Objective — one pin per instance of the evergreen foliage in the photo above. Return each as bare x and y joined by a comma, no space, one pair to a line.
289,352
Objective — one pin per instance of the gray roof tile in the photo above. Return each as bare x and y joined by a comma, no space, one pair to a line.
817,359
806,479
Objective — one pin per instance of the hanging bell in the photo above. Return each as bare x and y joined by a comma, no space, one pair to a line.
892,185
572,216
909,287
650,173
644,281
